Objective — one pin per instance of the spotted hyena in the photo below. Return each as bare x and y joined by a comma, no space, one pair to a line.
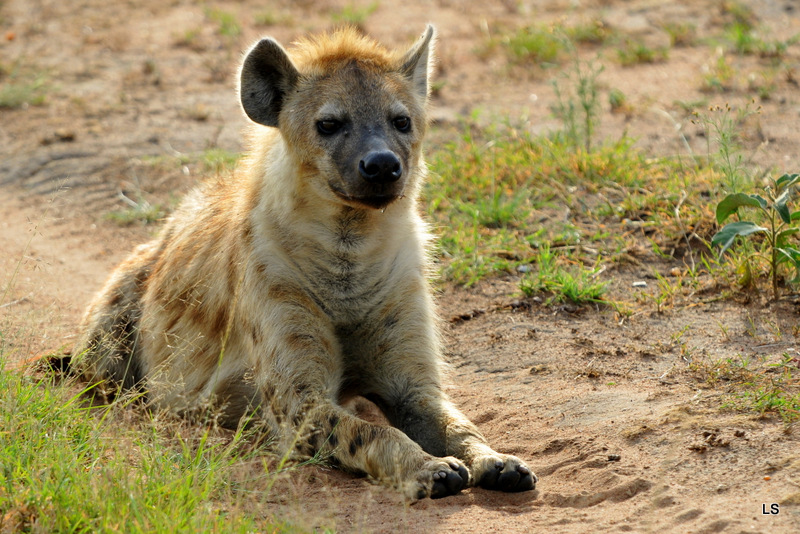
277,294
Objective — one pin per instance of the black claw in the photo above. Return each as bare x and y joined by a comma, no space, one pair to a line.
525,482
449,483
511,479
508,480
489,479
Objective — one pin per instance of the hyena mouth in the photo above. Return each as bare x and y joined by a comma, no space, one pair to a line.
377,201
374,202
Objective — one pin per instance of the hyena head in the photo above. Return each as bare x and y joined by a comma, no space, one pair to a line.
352,113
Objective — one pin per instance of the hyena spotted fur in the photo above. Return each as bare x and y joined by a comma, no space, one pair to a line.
277,294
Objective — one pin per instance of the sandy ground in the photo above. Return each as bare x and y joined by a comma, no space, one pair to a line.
622,435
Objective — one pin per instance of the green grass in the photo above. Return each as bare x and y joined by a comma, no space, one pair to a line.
353,15
534,44
226,22
594,32
632,52
67,467
496,196
720,77
572,282
723,126
269,17
768,386
218,160
141,212
577,103
211,161
681,33
17,90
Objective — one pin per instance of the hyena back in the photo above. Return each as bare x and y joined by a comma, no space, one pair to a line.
280,292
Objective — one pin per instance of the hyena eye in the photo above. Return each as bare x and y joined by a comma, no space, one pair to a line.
402,124
328,126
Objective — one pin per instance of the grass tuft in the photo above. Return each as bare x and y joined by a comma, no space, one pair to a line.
218,160
227,25
633,52
764,385
353,15
496,196
534,44
573,283
17,91
68,467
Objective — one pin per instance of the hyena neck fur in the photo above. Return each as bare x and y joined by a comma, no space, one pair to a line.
345,246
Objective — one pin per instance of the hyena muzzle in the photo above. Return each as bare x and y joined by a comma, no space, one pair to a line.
277,294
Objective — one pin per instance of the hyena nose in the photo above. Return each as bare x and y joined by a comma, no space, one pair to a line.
380,167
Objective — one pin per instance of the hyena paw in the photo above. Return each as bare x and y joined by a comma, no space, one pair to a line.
503,472
440,477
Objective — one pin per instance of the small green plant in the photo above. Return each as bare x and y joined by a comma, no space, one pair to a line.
578,285
775,50
782,225
272,18
618,101
594,32
577,106
773,399
763,84
17,92
720,76
722,126
534,44
681,33
754,385
666,292
190,38
218,160
356,16
499,210
141,212
743,38
746,41
740,13
227,25
633,52
735,370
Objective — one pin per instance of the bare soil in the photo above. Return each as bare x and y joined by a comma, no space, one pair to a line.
622,434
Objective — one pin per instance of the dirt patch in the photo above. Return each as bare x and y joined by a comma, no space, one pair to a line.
606,408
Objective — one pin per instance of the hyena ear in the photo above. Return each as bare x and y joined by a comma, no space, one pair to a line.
267,75
417,63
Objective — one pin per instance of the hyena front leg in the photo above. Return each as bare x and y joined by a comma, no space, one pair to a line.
490,469
299,371
426,415
409,392
384,453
